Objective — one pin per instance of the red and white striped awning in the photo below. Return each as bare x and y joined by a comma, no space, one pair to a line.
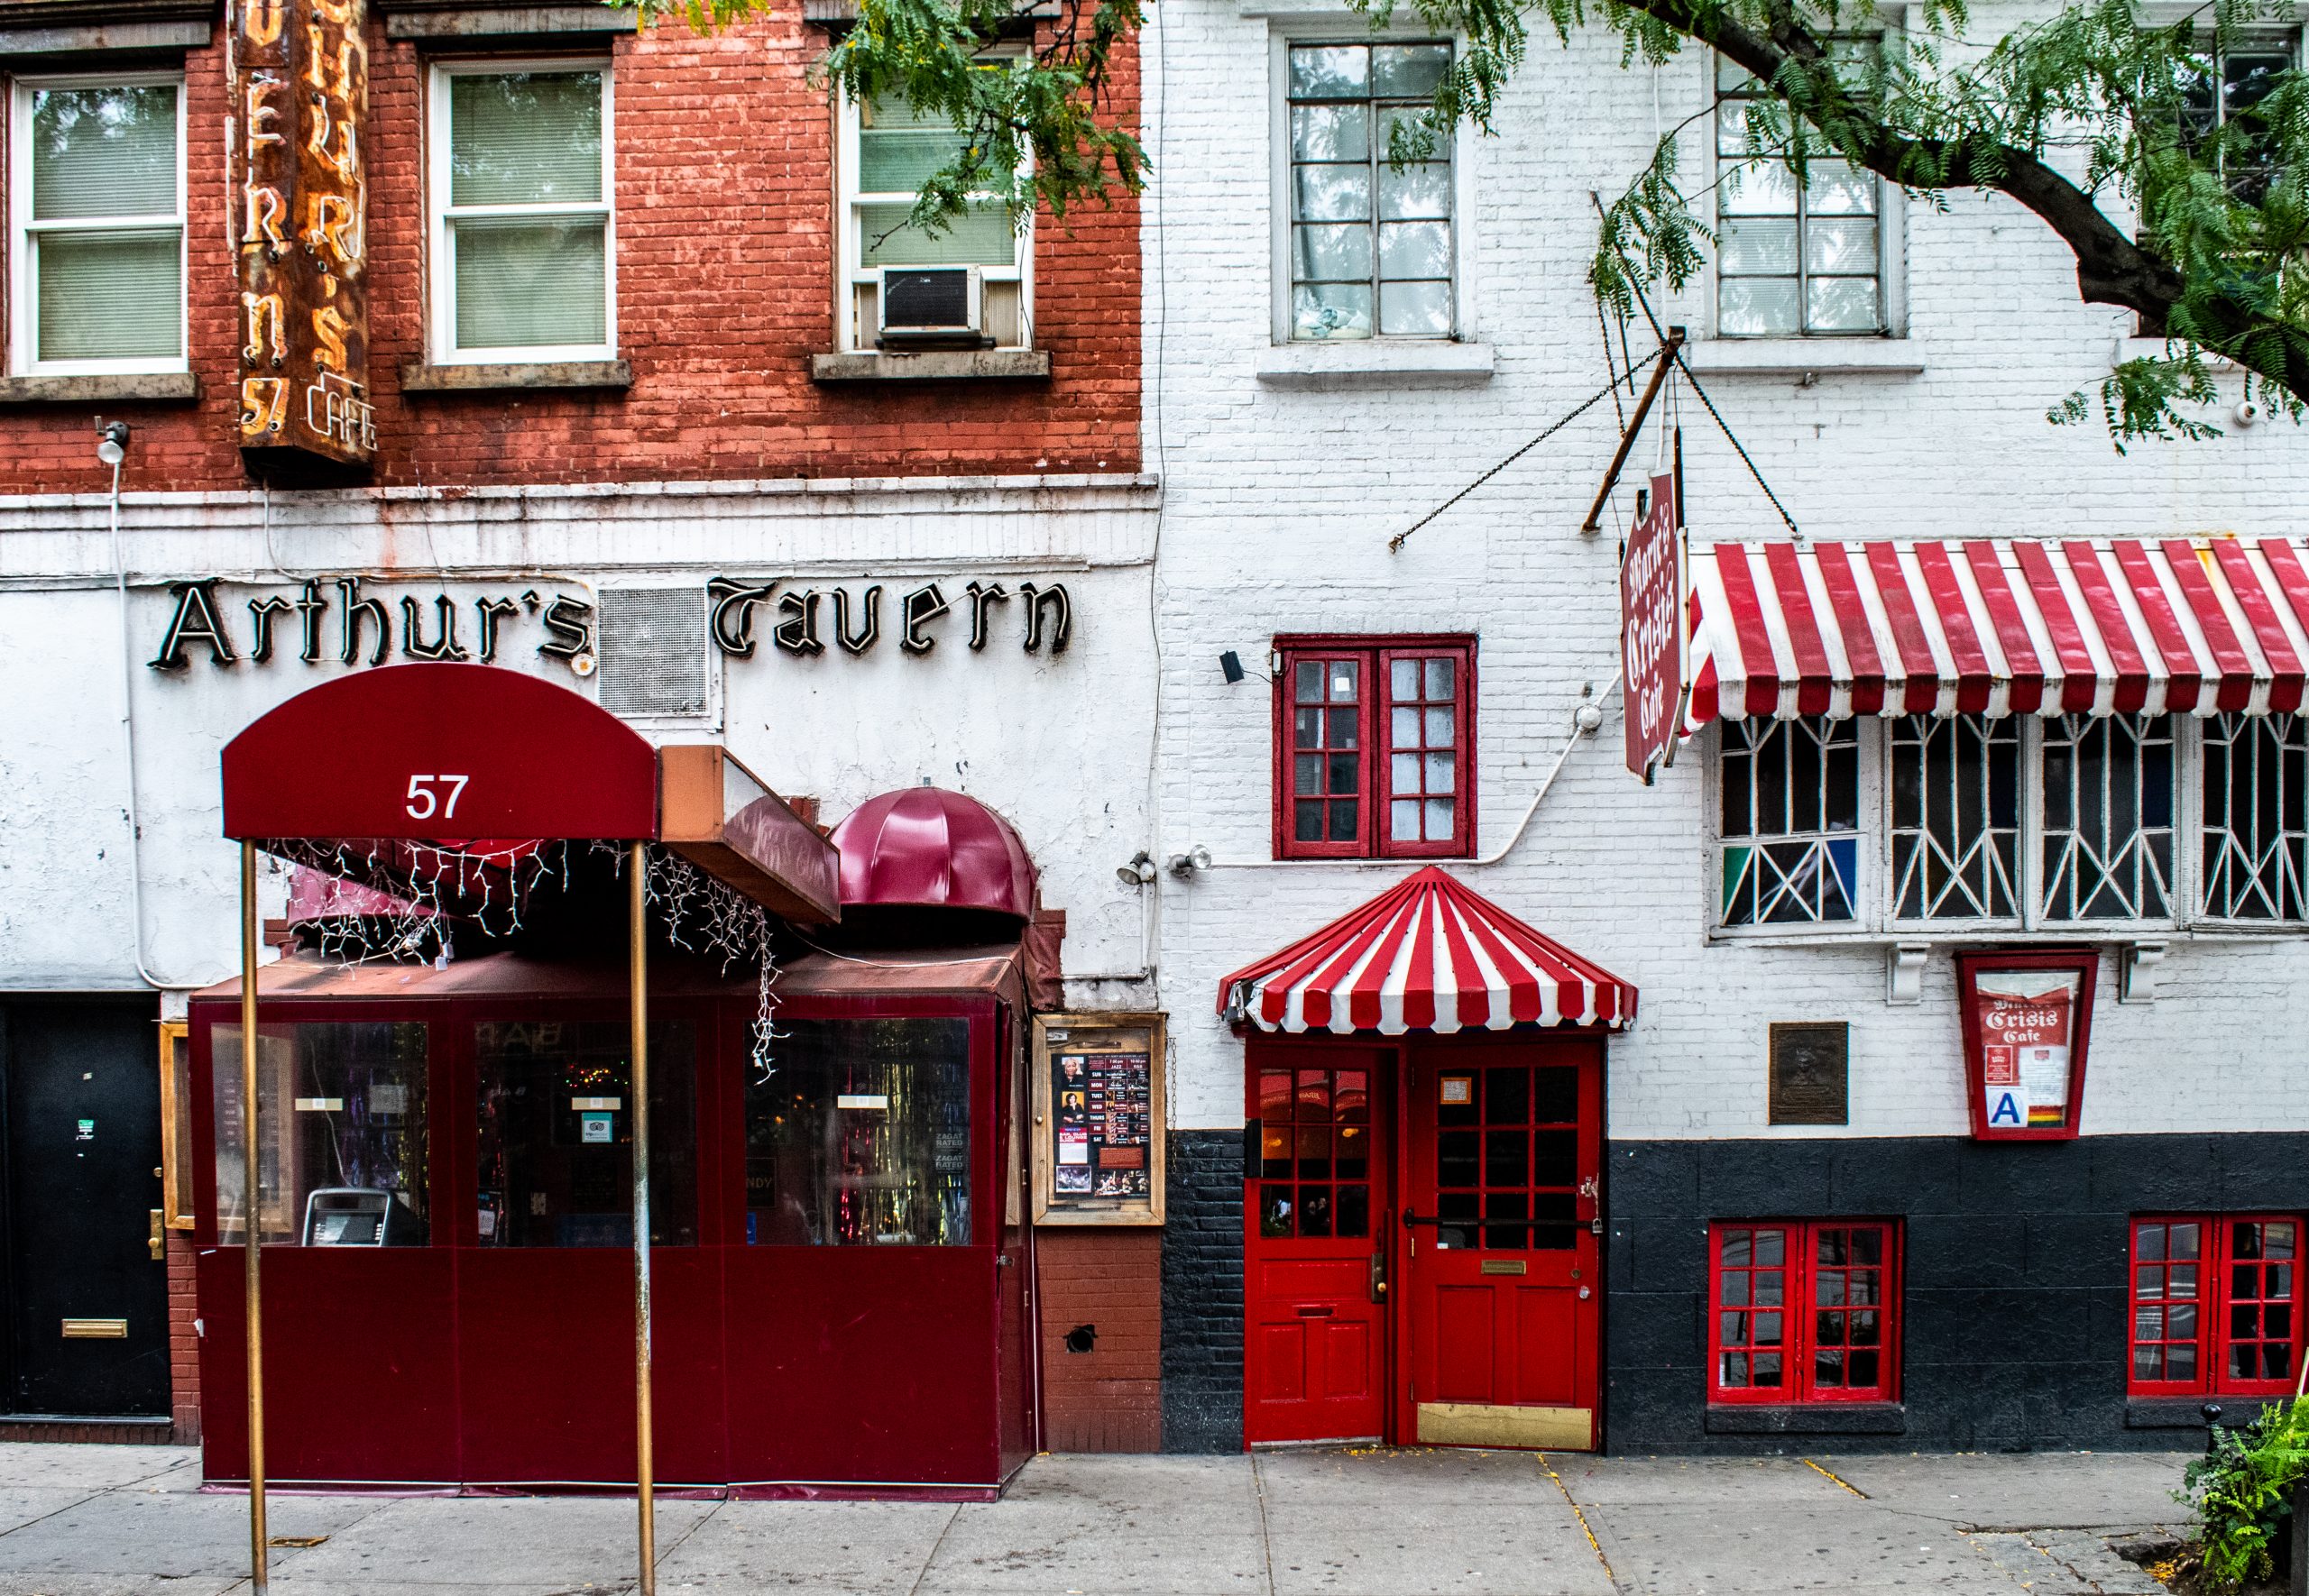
1427,954
1998,626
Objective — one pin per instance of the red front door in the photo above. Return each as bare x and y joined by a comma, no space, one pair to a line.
1314,1315
1501,1279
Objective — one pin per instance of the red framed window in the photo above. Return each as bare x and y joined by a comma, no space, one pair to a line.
1804,1311
2216,1305
1375,748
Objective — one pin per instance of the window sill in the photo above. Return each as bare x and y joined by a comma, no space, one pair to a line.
1375,362
2184,1412
461,20
1806,1418
114,388
937,365
417,377
1805,357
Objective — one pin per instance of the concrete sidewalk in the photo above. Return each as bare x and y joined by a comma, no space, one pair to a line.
132,1521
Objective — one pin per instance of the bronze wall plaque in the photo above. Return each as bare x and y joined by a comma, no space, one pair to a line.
298,73
1810,1074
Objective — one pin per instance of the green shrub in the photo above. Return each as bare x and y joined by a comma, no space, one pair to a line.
2243,1491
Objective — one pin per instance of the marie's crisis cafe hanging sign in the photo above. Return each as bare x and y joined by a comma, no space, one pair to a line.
300,81
1652,630
2027,1017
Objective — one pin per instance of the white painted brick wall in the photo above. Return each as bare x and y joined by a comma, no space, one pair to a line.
1279,504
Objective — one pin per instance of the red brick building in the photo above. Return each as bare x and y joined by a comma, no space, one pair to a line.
622,292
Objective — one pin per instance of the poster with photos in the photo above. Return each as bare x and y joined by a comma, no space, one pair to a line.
1099,1118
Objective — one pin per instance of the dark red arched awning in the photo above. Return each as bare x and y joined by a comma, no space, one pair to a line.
436,753
927,848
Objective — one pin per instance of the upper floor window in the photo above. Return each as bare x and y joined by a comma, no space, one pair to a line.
2216,1306
1374,748
1371,246
96,191
2225,93
1804,1312
889,150
524,263
1793,262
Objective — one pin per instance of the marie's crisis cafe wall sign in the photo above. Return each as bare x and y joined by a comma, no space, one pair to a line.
1651,632
2027,1019
299,87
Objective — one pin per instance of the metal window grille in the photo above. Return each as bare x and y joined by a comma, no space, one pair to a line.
652,644
1371,244
1956,817
1792,261
2108,818
1791,820
2256,775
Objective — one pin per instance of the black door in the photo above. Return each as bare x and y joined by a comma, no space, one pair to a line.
88,1302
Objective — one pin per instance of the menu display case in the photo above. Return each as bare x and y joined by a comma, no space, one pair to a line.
1099,1118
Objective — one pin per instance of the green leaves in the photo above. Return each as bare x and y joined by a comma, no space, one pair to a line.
1027,93
2242,1491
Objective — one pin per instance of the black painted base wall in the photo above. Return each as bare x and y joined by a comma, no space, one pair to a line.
1202,1292
2013,1302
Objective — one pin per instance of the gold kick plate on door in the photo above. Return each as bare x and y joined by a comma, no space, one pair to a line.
1503,1265
96,1329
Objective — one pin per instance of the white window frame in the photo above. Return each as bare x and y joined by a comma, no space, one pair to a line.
1354,29
441,279
23,345
850,271
1892,244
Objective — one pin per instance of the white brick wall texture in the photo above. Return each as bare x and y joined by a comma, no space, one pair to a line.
1279,503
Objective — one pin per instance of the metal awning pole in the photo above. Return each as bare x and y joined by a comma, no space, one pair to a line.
645,1464
252,1237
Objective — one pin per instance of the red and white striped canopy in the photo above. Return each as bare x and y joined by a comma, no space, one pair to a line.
1427,954
1998,626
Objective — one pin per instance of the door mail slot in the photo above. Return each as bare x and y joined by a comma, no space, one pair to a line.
1316,1310
96,1329
1503,1265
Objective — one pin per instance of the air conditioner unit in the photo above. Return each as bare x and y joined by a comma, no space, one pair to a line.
931,307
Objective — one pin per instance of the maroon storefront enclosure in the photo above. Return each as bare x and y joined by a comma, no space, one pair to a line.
781,1370
458,1295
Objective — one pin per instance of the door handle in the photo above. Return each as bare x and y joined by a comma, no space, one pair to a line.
159,1241
1378,1277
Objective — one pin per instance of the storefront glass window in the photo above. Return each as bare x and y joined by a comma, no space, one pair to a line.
859,1135
342,1135
555,1165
